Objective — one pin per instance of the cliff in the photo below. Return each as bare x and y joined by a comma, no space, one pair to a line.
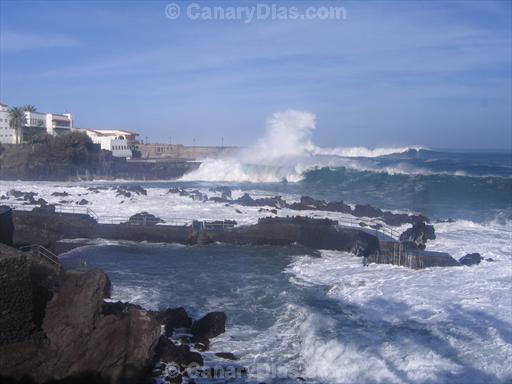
74,156
53,327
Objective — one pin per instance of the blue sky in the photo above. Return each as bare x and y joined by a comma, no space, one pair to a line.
392,73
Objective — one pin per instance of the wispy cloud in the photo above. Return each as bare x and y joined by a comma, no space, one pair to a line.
16,42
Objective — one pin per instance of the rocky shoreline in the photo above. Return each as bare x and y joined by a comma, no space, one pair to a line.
71,334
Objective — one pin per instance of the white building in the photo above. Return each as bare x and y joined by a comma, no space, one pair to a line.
7,134
36,122
119,142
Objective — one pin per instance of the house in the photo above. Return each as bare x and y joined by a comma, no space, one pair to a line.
120,142
36,122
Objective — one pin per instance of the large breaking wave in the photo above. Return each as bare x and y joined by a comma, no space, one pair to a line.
286,152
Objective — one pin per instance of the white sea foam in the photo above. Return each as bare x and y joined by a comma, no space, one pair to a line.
285,152
434,325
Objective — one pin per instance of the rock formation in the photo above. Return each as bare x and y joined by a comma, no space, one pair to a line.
418,235
64,333
471,259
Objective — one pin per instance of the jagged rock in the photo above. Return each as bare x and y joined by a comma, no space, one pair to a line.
144,218
366,211
82,202
179,355
173,318
226,355
223,190
418,234
471,259
274,211
211,325
217,199
78,339
60,194
248,201
137,189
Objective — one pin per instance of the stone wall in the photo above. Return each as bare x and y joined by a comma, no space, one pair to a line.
182,152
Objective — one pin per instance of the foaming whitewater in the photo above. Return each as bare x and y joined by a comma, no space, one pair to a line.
284,153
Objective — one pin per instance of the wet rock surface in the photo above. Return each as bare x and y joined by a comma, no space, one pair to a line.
471,259
418,235
78,339
144,218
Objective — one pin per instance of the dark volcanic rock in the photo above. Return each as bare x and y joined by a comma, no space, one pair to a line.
366,211
398,219
247,200
226,355
418,234
60,194
82,202
180,355
173,318
223,190
471,259
211,325
78,339
6,225
137,189
144,218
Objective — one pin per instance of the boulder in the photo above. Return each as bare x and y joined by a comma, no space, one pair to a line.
471,259
366,211
211,325
78,338
418,234
60,194
226,355
144,218
179,355
82,202
173,318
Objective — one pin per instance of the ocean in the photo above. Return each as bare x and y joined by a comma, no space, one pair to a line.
298,314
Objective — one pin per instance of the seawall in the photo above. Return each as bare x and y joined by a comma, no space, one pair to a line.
48,228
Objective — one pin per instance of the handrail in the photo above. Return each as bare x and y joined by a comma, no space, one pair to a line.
343,220
42,252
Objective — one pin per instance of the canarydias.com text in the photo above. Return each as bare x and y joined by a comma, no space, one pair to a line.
248,14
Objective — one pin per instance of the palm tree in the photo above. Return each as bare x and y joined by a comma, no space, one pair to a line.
29,108
17,121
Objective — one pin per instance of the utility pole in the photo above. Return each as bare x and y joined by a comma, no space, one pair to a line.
222,142
170,140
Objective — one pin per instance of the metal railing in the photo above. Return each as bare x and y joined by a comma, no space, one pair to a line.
381,231
42,252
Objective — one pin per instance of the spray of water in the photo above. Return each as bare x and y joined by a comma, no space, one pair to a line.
285,152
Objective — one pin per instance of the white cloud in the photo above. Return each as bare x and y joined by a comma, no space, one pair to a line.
17,42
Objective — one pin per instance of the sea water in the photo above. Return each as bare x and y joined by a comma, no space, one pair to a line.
297,314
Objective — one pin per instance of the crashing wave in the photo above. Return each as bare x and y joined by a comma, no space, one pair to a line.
285,152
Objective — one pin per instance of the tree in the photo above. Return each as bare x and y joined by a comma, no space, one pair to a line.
29,108
17,121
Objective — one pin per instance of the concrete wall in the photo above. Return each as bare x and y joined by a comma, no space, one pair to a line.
178,151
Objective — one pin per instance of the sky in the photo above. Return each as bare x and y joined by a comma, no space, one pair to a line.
387,73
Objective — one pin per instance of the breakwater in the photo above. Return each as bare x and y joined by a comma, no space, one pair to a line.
47,227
